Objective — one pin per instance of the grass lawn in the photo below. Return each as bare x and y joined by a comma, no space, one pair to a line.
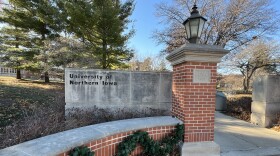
29,109
19,98
32,109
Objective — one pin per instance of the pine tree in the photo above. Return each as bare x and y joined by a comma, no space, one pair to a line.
16,51
12,38
101,25
40,17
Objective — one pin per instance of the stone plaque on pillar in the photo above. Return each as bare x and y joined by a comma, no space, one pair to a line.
201,76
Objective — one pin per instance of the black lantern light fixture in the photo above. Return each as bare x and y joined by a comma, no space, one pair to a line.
194,25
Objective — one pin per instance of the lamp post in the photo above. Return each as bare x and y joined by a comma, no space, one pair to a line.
194,88
194,25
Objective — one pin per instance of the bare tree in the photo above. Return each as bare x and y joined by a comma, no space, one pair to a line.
160,64
230,23
145,65
149,63
259,55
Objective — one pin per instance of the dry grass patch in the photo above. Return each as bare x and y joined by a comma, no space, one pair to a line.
20,98
276,126
29,109
11,81
32,109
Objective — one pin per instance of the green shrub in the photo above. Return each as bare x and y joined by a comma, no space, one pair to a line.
151,147
81,151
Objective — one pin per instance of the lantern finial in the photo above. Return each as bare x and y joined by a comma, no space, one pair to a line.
194,25
194,10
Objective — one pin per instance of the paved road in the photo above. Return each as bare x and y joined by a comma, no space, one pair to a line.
239,138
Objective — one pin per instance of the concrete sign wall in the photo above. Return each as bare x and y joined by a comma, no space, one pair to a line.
86,88
266,100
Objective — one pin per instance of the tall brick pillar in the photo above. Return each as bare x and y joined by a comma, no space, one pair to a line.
194,95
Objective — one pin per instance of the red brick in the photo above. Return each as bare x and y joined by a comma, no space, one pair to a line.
195,100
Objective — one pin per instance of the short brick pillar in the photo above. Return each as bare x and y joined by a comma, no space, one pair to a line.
194,94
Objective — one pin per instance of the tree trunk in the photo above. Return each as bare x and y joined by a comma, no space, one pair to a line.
104,54
46,74
18,74
18,63
47,78
246,84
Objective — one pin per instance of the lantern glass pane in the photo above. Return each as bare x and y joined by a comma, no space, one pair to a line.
201,25
187,27
194,27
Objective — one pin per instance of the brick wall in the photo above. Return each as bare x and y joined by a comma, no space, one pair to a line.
108,146
194,103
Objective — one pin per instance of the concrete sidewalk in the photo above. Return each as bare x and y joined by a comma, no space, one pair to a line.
239,138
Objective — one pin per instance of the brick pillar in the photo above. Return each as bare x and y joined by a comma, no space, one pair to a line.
194,95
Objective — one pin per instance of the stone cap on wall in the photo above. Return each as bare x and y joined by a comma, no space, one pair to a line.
64,141
197,53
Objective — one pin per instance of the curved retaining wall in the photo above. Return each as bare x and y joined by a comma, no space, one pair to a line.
102,138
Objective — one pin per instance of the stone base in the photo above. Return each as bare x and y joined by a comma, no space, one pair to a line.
208,148
262,120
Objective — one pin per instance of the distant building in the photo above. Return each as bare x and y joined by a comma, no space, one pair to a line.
5,71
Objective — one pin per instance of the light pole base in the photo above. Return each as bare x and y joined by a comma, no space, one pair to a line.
207,148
